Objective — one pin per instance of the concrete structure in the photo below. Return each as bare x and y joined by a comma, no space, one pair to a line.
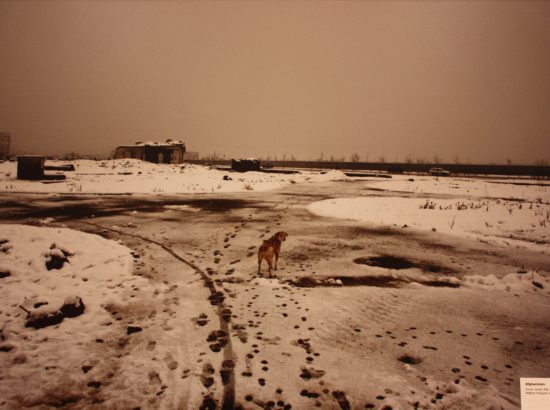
4,144
169,152
30,167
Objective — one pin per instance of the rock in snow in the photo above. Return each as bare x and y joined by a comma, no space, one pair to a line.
72,307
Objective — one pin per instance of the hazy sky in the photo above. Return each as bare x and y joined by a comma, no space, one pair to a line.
303,78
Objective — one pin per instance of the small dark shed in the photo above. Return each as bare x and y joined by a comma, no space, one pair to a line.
243,165
30,167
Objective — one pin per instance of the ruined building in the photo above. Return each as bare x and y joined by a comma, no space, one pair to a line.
169,152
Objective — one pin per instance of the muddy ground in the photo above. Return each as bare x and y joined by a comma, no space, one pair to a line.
342,324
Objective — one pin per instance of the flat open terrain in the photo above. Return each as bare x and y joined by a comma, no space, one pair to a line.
358,315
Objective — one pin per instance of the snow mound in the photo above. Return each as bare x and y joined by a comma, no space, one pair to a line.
49,317
508,221
527,282
332,175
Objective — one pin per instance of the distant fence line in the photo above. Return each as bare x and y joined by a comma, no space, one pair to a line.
540,171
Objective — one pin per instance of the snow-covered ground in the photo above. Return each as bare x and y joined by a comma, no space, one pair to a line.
135,176
176,317
474,188
88,267
51,359
508,212
519,223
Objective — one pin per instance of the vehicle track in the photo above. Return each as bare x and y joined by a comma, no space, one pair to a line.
227,372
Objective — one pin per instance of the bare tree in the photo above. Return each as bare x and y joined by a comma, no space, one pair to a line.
457,159
437,159
354,157
382,159
212,156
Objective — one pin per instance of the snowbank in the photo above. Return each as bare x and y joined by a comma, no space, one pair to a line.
475,188
87,269
508,220
135,176
92,262
522,281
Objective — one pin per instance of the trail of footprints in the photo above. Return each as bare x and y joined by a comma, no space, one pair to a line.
286,306
218,339
258,368
474,371
314,389
412,337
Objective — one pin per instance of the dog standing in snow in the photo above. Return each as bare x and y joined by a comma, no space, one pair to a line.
271,248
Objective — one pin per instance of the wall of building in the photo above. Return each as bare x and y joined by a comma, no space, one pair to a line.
152,153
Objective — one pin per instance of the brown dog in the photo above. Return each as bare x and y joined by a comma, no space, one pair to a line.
270,248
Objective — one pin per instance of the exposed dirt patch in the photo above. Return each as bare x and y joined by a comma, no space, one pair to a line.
218,205
357,232
408,359
83,207
398,262
375,281
386,261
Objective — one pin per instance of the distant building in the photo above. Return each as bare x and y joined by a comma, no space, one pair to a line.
168,152
4,144
244,165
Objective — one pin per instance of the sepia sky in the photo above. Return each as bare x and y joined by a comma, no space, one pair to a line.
244,78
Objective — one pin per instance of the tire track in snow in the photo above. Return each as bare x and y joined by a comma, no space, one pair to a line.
228,367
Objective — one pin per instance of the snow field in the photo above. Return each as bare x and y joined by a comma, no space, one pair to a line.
135,176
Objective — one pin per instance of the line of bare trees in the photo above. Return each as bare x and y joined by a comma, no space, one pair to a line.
355,157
